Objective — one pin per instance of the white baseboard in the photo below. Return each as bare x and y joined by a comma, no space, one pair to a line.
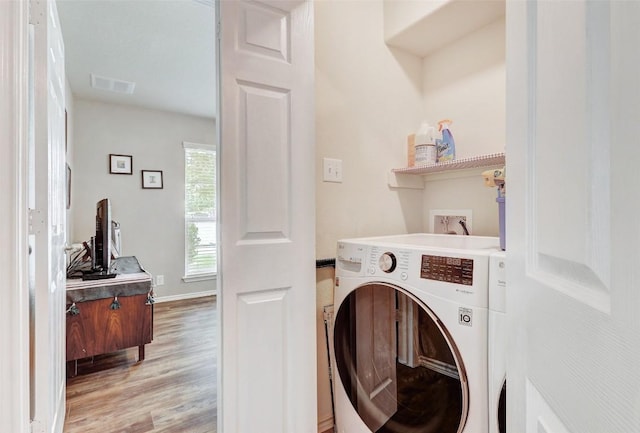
325,424
184,296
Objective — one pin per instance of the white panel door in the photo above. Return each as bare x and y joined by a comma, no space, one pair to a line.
267,221
48,221
573,201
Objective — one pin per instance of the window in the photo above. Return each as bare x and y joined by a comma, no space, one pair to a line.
200,210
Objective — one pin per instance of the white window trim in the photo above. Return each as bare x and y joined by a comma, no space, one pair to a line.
201,277
190,145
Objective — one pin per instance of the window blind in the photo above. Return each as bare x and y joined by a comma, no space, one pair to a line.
200,210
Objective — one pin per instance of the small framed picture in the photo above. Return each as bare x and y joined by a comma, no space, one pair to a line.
120,164
152,179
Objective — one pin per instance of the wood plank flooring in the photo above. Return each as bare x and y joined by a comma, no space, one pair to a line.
173,390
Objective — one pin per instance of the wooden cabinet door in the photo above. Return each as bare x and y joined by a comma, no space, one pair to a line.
99,329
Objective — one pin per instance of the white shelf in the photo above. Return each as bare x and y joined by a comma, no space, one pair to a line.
415,177
482,161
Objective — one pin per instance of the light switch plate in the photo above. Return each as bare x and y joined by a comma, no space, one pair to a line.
332,170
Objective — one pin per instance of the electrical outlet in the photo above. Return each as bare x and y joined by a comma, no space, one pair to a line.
448,221
159,280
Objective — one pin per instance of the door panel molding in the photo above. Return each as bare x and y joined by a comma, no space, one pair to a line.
263,339
573,279
264,161
540,417
273,40
569,240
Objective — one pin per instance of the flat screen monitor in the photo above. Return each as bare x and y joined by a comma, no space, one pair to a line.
103,236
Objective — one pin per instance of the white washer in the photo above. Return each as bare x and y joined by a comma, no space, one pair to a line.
410,334
497,343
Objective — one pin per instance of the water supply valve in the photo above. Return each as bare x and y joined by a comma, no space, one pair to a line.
496,178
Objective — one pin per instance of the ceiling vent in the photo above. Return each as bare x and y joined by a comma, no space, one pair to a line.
112,85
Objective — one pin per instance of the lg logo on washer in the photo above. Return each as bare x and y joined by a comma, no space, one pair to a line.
465,316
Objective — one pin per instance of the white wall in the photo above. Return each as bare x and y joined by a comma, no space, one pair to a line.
465,81
152,221
368,99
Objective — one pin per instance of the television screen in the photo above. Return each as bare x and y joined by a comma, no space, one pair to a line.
103,236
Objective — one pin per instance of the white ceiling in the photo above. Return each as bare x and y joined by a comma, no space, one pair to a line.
167,47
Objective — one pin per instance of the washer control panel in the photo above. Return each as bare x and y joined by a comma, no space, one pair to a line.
454,268
448,269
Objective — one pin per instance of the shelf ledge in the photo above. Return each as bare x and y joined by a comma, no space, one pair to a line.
482,161
404,181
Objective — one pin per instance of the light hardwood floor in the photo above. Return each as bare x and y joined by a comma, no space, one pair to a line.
173,390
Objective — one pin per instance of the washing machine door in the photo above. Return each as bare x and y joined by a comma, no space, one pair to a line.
398,364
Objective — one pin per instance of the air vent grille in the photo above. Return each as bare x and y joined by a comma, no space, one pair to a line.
112,85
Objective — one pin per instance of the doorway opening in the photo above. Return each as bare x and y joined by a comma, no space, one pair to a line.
166,53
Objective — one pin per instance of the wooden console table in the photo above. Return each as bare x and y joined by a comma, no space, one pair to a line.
95,326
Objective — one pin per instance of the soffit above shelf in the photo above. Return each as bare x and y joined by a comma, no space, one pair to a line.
421,28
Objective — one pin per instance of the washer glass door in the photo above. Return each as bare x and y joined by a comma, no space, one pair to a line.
398,364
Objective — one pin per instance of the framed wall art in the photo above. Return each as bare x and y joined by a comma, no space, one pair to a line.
152,179
120,164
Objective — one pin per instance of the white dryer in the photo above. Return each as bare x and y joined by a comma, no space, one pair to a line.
410,334
497,343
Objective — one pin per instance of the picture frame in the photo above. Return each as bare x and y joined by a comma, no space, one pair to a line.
152,179
120,164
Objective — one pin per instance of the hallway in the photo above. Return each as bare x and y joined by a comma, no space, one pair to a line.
172,390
